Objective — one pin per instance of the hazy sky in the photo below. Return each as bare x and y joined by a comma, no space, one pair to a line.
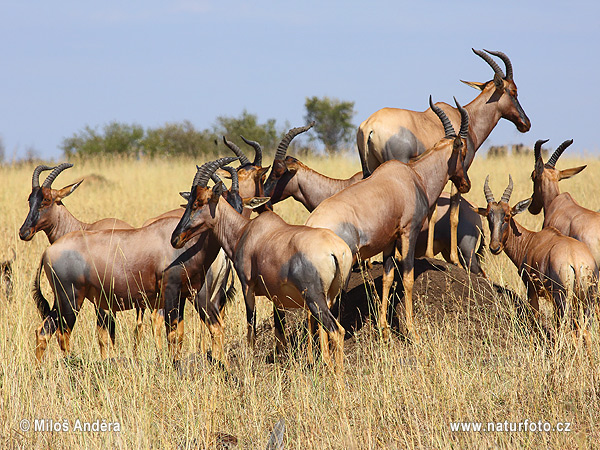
67,64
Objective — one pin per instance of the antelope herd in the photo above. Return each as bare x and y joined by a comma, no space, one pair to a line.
389,207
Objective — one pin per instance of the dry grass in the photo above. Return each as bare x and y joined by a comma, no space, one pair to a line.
398,396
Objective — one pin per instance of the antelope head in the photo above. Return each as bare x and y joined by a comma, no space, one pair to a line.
44,200
499,214
202,202
280,170
456,166
502,90
546,176
251,175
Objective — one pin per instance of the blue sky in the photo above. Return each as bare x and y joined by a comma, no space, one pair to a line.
68,64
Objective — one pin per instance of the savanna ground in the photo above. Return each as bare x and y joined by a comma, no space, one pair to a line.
477,362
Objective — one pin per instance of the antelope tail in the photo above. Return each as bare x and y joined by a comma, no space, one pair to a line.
362,141
40,301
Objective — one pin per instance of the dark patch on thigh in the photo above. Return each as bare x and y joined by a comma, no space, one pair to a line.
301,272
402,146
352,236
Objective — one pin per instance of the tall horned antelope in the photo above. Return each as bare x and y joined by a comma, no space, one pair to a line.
401,134
119,269
387,210
561,211
289,177
557,270
48,213
293,265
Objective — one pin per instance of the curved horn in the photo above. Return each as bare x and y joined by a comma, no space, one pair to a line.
464,120
448,130
507,63
285,142
207,169
508,191
35,180
239,153
537,148
489,196
235,181
488,59
257,151
55,172
215,178
559,151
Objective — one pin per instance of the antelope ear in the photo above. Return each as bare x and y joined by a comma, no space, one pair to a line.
521,206
262,173
67,190
568,173
498,81
481,211
223,173
186,195
255,202
217,191
474,84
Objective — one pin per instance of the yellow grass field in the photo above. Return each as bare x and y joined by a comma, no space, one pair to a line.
397,396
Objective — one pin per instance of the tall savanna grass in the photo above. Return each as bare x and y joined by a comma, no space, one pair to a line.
395,396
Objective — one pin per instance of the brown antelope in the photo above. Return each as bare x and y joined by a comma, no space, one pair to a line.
387,210
291,178
561,211
293,265
48,213
119,269
555,268
393,133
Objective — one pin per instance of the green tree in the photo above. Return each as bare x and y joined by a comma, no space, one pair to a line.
115,139
333,121
247,125
178,139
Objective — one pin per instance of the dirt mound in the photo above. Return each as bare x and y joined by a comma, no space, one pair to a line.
440,289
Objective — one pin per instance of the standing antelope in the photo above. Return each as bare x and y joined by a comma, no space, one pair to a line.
291,178
293,265
48,213
555,268
119,269
393,133
388,208
561,211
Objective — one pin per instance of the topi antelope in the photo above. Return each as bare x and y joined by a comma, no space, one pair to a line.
555,268
293,265
119,269
387,210
289,177
393,133
561,211
48,213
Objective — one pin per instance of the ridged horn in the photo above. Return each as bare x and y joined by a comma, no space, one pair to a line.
205,171
464,120
285,142
508,191
238,152
235,181
489,196
537,148
55,172
488,59
35,180
448,129
507,63
559,151
257,151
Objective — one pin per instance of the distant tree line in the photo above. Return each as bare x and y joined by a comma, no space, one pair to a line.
333,128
